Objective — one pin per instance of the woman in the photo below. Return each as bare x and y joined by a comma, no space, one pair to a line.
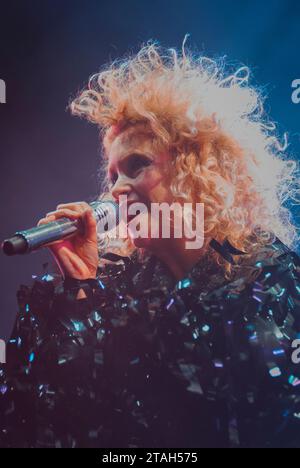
147,343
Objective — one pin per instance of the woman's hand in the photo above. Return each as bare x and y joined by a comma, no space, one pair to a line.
77,256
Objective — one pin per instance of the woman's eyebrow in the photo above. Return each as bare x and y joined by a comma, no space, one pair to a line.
134,153
124,158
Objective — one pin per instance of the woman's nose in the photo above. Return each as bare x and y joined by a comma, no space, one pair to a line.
121,187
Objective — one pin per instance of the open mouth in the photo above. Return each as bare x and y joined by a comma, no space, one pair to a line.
131,217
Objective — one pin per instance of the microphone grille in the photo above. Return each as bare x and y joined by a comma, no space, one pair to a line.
106,209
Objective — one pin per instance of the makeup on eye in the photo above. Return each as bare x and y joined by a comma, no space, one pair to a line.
131,164
135,162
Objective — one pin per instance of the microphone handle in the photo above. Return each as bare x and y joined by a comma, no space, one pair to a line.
31,239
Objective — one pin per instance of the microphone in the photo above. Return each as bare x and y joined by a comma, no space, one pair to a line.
106,214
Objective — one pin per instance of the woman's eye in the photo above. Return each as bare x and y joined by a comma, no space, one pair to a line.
136,163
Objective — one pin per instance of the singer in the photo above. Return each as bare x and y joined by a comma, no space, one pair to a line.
141,342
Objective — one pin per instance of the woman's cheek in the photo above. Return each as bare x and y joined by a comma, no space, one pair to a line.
144,230
150,183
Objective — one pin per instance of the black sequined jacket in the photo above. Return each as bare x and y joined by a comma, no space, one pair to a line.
147,361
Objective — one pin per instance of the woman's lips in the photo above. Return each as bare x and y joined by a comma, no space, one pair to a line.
130,217
125,213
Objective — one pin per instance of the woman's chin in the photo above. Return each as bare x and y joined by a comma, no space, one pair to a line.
152,245
142,243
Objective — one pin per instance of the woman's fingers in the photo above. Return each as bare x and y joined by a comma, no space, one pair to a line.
46,220
85,212
90,225
67,260
80,206
53,215
77,256
64,212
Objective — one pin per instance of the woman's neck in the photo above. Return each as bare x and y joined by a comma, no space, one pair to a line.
178,259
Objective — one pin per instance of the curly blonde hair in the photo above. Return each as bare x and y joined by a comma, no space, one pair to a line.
226,152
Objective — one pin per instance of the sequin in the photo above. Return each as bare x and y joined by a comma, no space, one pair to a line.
147,361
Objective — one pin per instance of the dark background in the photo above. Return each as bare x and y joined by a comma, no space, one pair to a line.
49,48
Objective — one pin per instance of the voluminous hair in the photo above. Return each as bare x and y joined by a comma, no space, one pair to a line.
226,152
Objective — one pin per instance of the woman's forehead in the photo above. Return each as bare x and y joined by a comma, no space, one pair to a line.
132,138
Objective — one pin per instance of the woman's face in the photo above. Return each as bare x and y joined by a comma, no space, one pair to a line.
137,169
